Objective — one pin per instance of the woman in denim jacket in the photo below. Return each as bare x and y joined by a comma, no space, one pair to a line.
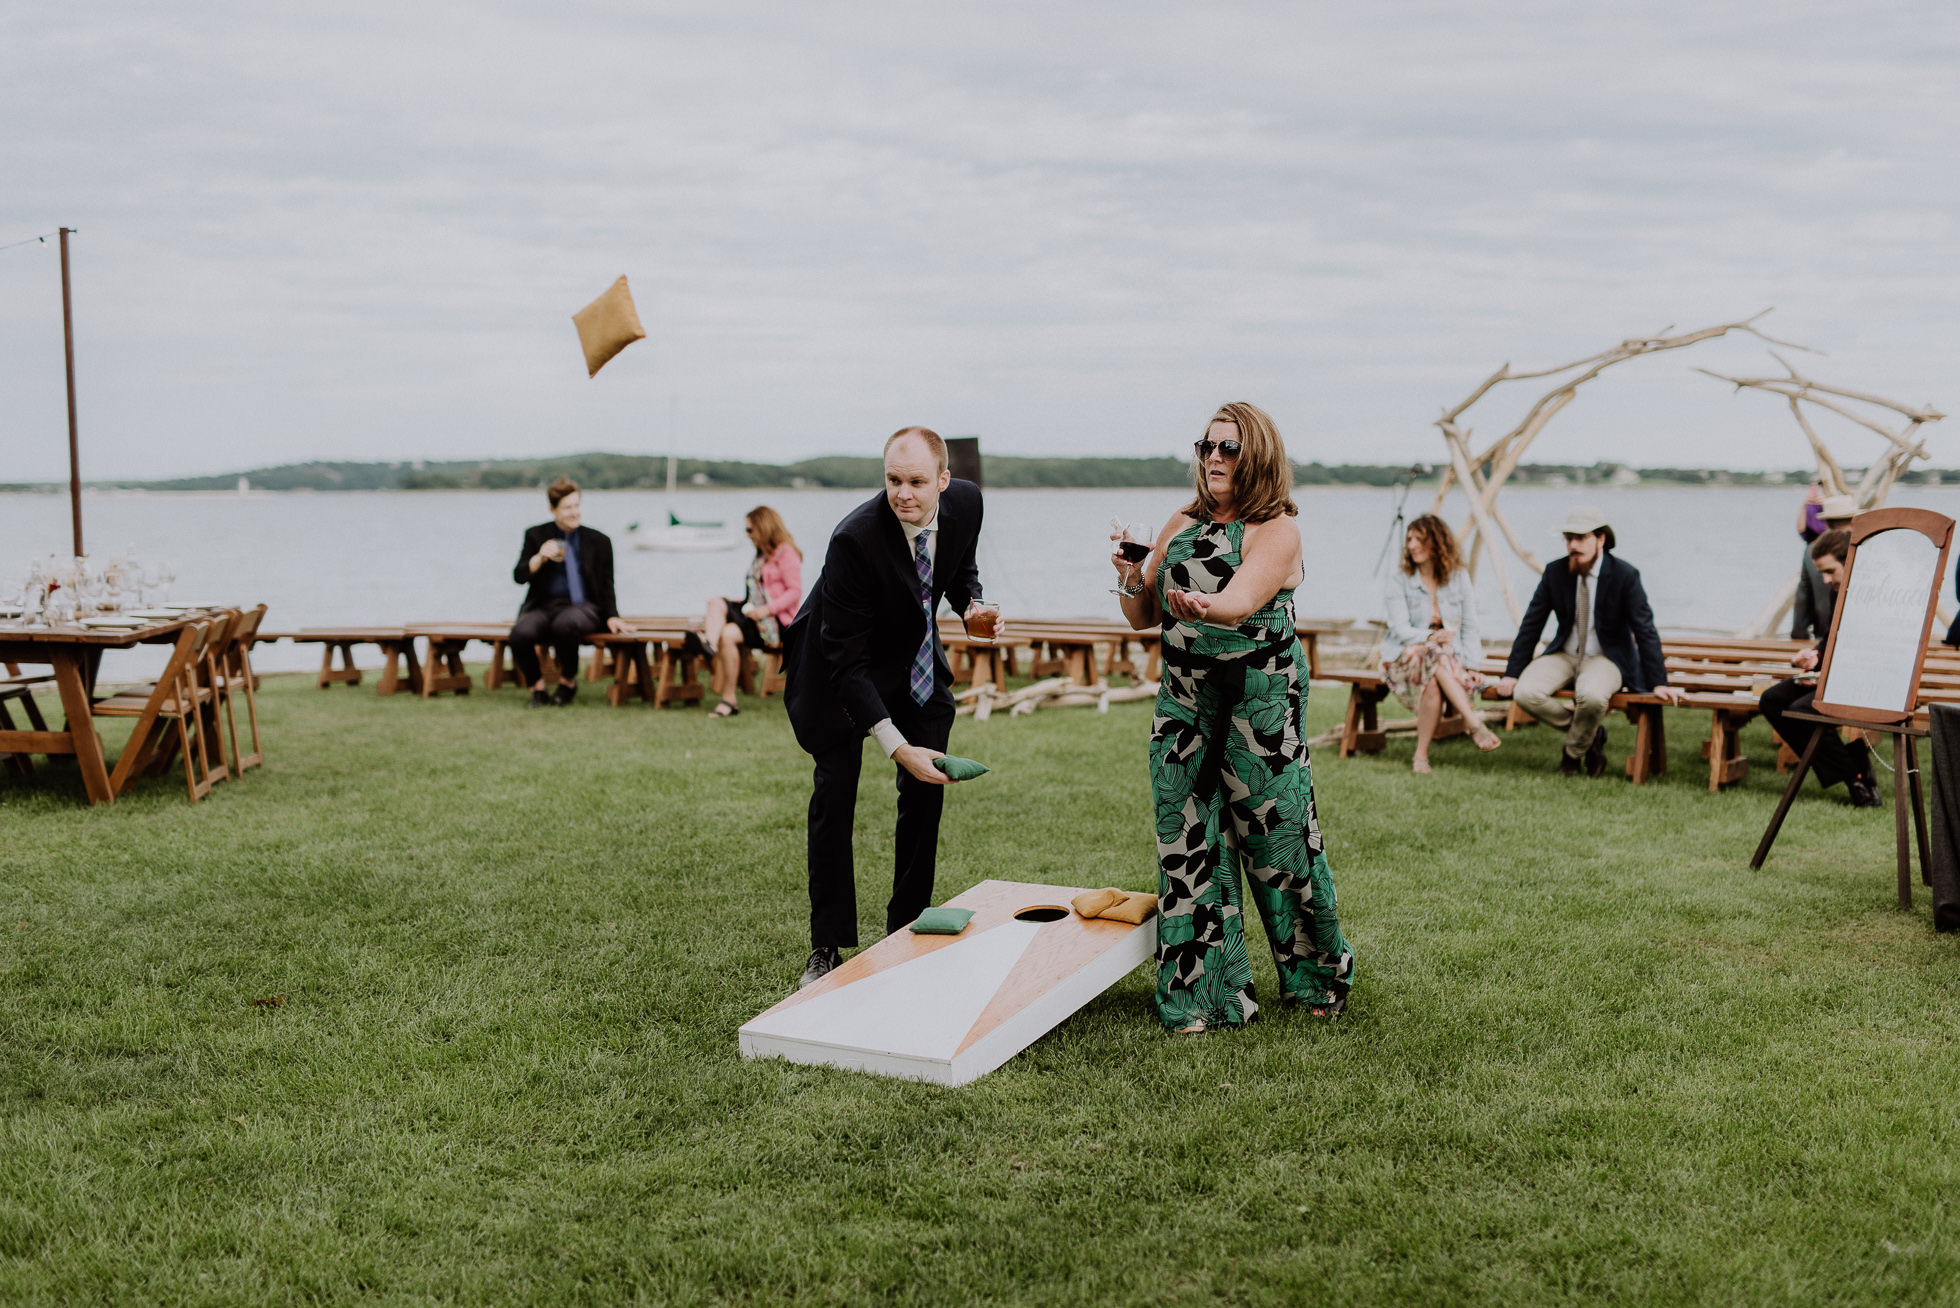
1431,650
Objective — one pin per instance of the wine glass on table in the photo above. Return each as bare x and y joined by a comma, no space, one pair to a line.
1133,543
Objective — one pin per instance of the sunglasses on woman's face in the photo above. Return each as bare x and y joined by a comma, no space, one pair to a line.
1230,449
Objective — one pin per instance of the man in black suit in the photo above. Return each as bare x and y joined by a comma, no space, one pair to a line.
1606,639
1833,760
569,570
863,658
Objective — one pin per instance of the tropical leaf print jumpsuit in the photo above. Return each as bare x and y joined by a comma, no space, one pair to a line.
1233,788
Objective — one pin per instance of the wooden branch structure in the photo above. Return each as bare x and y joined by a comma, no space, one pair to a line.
1055,692
1484,472
1880,475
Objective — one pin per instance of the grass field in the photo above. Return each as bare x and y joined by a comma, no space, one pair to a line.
1590,1056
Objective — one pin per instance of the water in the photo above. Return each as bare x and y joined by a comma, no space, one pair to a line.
1710,556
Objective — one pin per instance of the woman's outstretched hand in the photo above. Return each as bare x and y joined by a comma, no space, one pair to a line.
1188,605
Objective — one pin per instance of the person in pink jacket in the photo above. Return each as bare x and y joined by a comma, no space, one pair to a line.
775,590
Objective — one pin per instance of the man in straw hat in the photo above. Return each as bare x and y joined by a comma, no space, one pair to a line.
1606,640
1811,613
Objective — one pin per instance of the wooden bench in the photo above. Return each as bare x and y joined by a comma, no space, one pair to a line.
1363,732
652,662
400,672
442,667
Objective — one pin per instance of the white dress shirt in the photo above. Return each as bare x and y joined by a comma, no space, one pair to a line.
889,737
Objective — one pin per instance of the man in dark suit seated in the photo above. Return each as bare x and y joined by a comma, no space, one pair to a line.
1606,640
569,570
863,658
1834,760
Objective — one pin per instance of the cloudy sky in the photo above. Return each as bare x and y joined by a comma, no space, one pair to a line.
358,230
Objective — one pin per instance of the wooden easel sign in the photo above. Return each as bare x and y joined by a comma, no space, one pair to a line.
951,1009
1884,616
1872,661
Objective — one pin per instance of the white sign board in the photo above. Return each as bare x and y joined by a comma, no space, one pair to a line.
1879,628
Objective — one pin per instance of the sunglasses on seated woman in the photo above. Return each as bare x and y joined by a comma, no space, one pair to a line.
1230,449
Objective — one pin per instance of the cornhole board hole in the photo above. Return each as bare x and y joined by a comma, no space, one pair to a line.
950,1009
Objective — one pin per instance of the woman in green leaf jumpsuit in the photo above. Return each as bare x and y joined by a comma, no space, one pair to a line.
1228,758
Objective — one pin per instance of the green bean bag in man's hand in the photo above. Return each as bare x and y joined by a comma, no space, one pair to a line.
959,769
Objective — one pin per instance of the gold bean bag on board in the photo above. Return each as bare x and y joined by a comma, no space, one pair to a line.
1091,903
607,325
1134,909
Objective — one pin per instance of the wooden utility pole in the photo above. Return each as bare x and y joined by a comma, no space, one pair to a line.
74,442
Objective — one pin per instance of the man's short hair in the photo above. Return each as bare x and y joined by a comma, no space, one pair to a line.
559,489
926,434
1836,543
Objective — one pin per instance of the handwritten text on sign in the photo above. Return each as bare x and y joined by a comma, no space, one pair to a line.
1882,620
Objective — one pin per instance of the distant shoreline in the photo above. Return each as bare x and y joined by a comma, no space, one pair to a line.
606,472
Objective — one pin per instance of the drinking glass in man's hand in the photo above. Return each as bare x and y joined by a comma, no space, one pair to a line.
983,620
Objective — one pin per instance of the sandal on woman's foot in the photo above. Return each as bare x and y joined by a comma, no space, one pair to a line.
1332,1008
1420,767
1195,1026
725,709
1488,741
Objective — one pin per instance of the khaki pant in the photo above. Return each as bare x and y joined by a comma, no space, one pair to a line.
1593,683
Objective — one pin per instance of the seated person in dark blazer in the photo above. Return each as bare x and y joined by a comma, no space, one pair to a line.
569,570
1606,640
863,658
1834,760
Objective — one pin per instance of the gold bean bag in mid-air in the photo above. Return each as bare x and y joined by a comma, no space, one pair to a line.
608,325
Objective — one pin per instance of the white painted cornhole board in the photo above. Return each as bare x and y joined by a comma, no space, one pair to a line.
951,1009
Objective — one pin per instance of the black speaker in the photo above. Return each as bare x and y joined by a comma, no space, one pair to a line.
963,457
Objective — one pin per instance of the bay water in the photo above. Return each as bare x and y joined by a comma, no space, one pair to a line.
1710,556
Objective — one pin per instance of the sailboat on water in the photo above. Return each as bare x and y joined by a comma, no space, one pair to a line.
679,535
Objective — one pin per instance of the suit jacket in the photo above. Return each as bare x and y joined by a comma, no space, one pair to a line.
1620,614
847,658
1810,613
595,569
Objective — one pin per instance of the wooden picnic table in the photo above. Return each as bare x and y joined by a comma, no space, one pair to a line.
75,654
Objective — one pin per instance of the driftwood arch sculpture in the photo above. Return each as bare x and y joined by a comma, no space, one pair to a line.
1880,475
1484,472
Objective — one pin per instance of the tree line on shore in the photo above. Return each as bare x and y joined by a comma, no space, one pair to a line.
600,471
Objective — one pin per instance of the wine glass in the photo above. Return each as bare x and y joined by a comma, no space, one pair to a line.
166,577
1133,544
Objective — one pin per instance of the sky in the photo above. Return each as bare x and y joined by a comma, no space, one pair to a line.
358,231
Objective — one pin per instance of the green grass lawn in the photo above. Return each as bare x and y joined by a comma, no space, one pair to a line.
1589,1056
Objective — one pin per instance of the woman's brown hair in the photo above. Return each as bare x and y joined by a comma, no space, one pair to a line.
770,532
1262,480
1444,558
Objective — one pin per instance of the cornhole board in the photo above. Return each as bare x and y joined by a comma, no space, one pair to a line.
951,1009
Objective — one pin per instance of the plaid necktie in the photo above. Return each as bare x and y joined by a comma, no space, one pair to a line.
922,661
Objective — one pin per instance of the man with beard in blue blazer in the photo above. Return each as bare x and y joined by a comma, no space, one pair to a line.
863,658
1606,640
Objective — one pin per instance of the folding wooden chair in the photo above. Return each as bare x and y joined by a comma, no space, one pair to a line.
215,698
15,686
176,700
234,674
